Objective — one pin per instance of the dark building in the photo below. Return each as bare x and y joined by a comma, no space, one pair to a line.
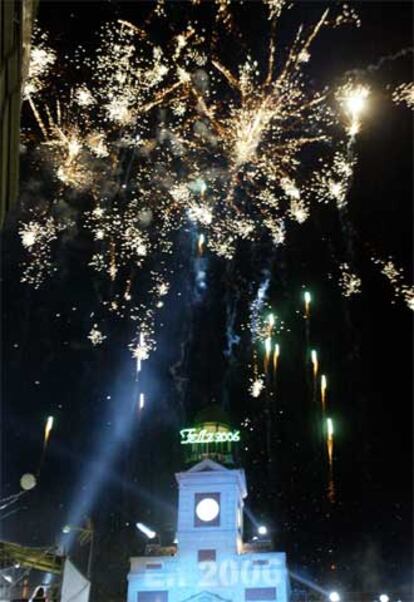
16,21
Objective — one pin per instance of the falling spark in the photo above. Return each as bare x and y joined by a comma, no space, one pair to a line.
268,351
308,299
324,385
257,387
141,401
29,234
48,430
96,336
140,351
349,282
276,355
315,363
200,244
268,345
330,439
330,449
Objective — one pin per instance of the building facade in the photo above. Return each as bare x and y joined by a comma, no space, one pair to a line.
210,561
16,20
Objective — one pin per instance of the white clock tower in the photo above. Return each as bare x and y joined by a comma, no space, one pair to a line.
210,561
210,508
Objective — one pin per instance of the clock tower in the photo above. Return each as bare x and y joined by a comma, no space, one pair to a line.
210,561
210,508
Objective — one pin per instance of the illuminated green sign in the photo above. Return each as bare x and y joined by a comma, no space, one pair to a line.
200,435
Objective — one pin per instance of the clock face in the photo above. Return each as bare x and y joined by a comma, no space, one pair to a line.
207,509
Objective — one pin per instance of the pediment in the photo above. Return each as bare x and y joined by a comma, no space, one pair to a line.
206,597
208,465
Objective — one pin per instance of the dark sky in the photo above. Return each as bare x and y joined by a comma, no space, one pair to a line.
363,542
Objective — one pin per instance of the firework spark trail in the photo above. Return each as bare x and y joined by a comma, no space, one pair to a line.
200,244
307,297
268,352
257,305
276,359
47,433
331,494
330,452
352,97
267,330
48,430
315,372
324,386
256,309
329,439
276,356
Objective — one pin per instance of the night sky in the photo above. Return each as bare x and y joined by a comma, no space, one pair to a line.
363,542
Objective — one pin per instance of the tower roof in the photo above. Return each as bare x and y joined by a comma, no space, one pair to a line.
208,471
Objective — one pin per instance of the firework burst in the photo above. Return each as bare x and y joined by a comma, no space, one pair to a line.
159,138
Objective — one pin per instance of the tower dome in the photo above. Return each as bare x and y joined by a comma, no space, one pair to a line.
213,413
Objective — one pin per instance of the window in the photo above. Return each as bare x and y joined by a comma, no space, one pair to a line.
260,562
206,555
152,597
260,593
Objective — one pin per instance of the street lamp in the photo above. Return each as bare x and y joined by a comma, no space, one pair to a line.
262,530
86,536
384,598
28,481
334,597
